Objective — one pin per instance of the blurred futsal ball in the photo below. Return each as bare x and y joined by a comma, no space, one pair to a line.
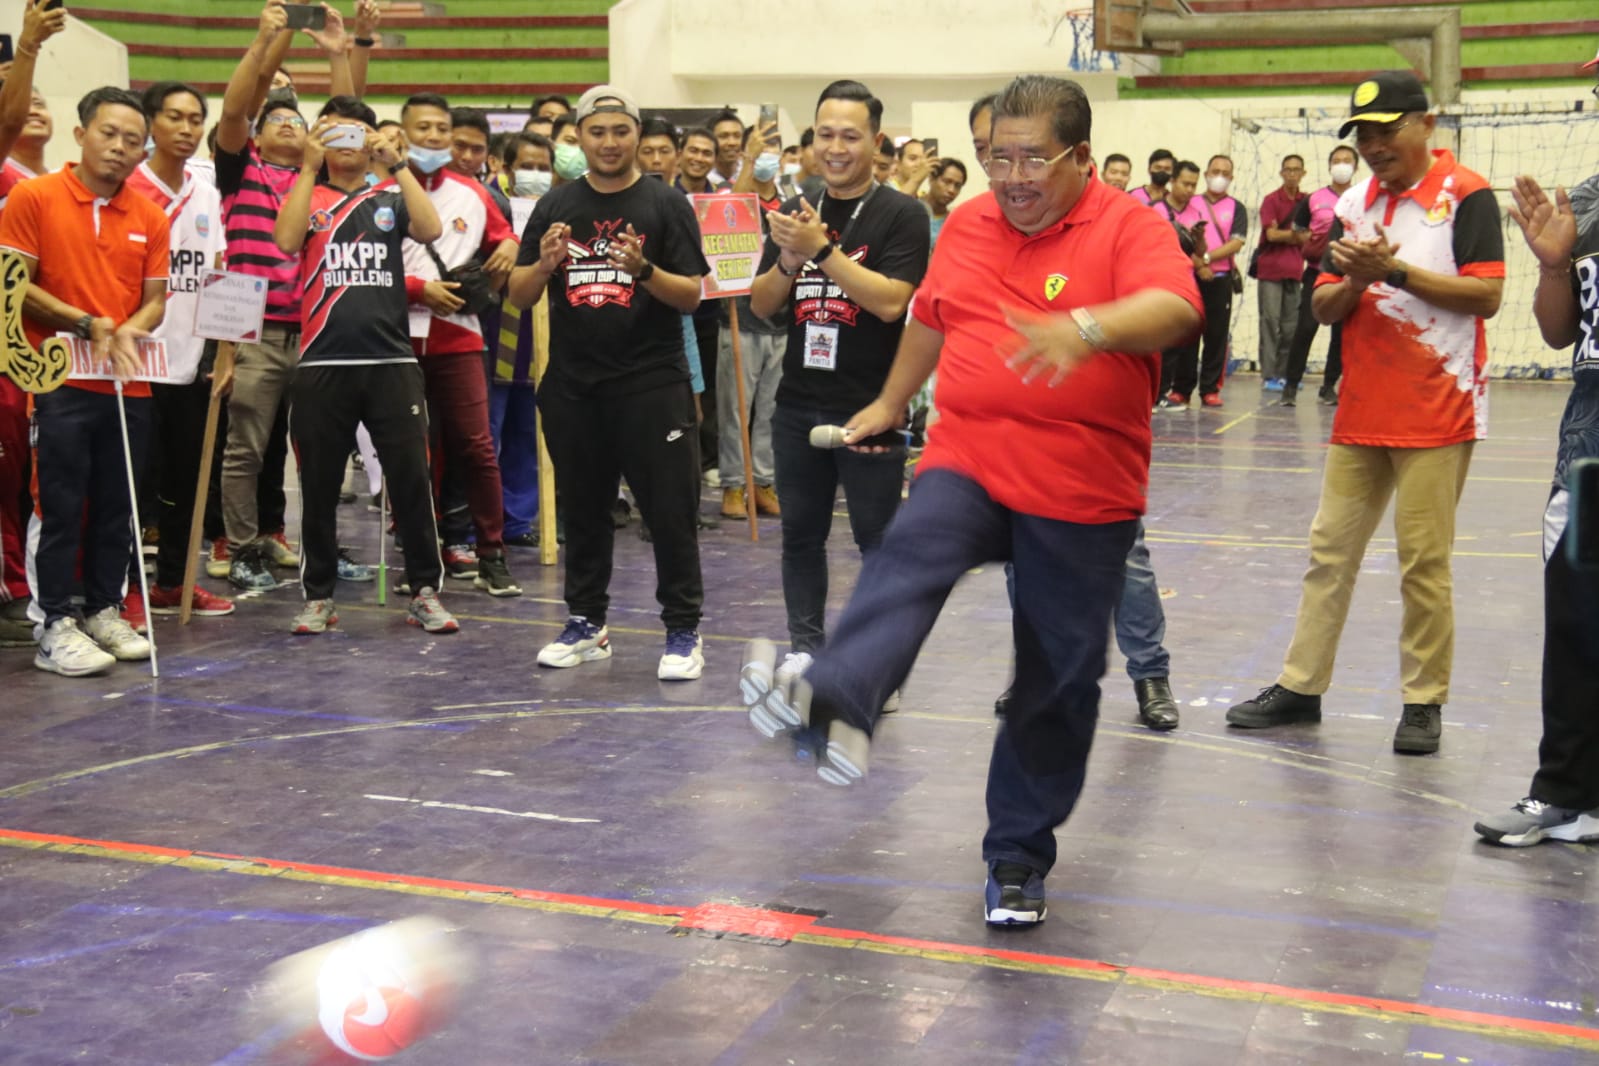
365,998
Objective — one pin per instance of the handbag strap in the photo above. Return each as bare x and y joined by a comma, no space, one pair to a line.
444,271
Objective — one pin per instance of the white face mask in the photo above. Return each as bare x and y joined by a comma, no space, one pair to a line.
531,182
1218,183
790,169
1342,173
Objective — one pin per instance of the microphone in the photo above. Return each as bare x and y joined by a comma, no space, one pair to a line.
829,436
838,437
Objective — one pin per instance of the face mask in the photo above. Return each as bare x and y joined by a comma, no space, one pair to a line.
1160,179
766,165
1342,173
570,162
532,182
790,170
1217,183
428,160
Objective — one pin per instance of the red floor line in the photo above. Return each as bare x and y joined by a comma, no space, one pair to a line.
1420,1011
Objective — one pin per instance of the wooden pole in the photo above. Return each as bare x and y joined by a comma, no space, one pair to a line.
202,490
549,550
743,420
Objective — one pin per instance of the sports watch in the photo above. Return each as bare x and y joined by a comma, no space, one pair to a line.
1397,277
84,327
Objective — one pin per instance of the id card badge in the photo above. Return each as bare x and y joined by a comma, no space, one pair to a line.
821,347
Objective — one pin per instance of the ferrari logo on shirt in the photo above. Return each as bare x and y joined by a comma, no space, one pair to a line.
1054,285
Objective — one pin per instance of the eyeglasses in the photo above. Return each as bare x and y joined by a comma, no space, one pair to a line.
1368,132
278,118
1029,169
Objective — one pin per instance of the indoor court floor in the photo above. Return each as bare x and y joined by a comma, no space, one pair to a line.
643,881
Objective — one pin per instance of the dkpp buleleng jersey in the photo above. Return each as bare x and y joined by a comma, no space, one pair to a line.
198,241
354,278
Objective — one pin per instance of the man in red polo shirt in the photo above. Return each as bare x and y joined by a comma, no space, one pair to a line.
1040,457
96,253
1414,402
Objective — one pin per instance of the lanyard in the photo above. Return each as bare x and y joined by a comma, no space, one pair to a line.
850,225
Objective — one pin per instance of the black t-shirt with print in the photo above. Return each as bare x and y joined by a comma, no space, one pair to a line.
889,237
607,333
353,272
1579,423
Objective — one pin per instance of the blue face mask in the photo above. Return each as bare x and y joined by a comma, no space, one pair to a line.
766,166
570,162
428,160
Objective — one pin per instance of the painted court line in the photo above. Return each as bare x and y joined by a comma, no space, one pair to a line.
474,809
730,918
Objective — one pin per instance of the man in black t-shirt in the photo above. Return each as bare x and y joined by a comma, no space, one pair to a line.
621,258
356,363
840,269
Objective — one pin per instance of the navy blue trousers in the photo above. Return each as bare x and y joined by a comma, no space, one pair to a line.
1069,580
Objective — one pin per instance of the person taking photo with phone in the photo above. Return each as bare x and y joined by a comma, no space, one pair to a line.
356,362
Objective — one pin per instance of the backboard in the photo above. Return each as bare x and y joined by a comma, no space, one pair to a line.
1119,25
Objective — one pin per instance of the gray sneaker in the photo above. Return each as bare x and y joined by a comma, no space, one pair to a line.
317,616
426,611
1531,821
251,569
16,628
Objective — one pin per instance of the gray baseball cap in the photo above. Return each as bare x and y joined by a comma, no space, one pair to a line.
606,98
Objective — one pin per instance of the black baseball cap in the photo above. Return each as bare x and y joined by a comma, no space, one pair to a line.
1386,96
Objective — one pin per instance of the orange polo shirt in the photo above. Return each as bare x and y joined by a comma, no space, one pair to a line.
91,253
1078,452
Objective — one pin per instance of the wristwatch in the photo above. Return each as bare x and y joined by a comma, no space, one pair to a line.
645,272
84,327
396,168
787,273
1207,259
1397,277
821,256
1089,330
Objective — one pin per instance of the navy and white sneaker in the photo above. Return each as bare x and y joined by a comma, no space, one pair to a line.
684,657
1014,895
580,642
779,704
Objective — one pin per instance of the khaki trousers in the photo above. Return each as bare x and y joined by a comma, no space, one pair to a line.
1426,484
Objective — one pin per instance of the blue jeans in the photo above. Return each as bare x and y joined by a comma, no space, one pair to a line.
808,480
1071,578
513,413
1140,618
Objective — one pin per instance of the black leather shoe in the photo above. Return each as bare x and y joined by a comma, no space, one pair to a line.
1157,708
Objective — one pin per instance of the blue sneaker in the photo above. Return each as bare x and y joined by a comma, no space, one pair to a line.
580,642
684,658
1014,895
251,569
350,570
1273,385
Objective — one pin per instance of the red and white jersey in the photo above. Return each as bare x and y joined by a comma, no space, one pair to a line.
198,240
472,224
12,174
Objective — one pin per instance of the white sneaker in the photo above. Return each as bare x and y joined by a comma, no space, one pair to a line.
684,658
580,642
713,478
891,704
66,650
795,663
108,630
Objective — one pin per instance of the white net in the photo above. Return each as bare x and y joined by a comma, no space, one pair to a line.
1558,145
